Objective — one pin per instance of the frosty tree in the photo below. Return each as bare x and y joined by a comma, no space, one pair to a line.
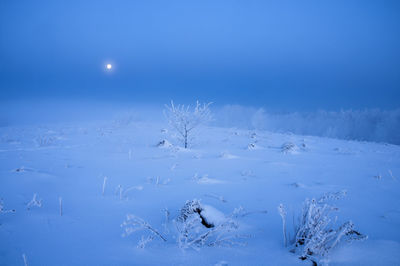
184,120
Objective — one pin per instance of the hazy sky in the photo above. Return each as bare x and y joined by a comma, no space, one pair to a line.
284,55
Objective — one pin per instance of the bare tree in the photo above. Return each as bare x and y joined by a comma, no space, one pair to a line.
184,120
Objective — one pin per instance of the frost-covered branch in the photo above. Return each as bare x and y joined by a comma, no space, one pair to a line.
133,223
34,202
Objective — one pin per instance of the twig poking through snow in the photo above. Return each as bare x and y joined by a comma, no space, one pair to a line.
167,215
214,196
2,209
25,259
119,191
282,213
104,185
34,202
61,207
391,174
123,193
132,188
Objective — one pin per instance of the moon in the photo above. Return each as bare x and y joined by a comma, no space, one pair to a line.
108,66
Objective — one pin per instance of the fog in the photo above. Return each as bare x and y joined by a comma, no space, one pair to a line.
321,68
363,125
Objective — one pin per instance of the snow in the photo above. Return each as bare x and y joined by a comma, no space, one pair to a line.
212,215
207,180
70,160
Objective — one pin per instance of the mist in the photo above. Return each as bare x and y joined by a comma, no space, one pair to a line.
306,68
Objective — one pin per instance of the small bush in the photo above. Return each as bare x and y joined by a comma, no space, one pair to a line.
315,234
201,225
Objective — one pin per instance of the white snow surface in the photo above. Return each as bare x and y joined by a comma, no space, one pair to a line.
70,161
212,215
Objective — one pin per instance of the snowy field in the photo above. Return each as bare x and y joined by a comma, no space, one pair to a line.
102,171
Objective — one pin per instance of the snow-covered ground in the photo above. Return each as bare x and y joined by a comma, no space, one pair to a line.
224,168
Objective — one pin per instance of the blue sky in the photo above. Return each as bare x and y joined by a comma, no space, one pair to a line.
283,55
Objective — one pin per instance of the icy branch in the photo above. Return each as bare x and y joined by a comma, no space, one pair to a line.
34,202
133,223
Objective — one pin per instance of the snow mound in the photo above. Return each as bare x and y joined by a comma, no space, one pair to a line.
221,263
227,155
164,144
212,216
207,180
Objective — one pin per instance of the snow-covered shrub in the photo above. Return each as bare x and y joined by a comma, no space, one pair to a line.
197,226
252,146
289,147
133,224
45,140
202,225
3,209
315,233
20,169
184,120
247,173
164,144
